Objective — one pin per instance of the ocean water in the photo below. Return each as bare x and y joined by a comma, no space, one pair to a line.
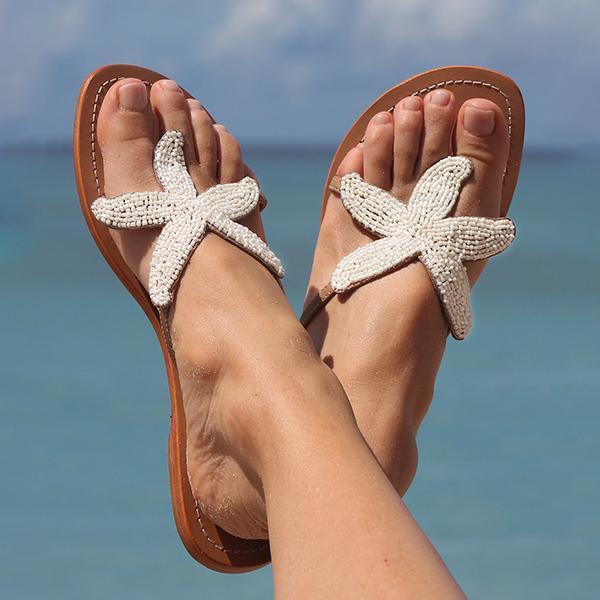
508,487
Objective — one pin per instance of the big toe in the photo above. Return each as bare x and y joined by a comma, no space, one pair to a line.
127,131
482,136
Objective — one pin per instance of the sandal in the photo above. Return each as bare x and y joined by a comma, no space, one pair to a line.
185,217
420,229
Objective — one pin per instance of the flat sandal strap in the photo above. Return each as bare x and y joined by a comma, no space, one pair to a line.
316,304
335,183
325,294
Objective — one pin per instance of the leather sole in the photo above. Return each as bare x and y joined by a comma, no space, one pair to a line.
206,542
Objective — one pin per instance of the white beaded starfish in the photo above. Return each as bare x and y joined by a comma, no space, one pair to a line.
185,216
420,229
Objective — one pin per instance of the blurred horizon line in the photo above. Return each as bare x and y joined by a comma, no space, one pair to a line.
296,147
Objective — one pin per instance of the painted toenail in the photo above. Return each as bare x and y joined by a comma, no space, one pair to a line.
133,96
170,85
382,118
440,98
411,103
479,121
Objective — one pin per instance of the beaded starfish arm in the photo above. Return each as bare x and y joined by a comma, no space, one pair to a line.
247,240
185,217
174,247
245,192
169,166
372,260
472,238
375,209
136,210
421,229
437,191
451,283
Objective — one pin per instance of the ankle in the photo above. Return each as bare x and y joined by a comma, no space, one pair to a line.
388,419
288,414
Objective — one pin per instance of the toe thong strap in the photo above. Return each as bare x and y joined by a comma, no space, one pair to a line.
185,217
335,184
316,304
419,229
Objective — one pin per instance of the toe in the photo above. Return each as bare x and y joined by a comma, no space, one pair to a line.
231,164
127,131
378,150
482,136
352,162
231,169
439,115
206,142
171,107
408,127
482,133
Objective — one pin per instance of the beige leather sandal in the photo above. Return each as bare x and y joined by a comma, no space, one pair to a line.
420,228
185,217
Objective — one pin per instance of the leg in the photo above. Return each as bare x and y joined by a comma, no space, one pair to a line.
338,528
385,340
271,435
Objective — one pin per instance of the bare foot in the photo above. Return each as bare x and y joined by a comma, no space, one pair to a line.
385,340
235,338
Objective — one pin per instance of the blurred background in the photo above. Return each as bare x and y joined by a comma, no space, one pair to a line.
508,487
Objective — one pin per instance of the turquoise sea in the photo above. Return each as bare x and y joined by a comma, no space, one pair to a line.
508,487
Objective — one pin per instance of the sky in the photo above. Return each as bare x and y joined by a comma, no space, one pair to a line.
299,71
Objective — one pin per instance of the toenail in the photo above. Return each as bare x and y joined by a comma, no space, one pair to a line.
194,104
479,121
411,103
133,96
169,85
440,98
382,118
